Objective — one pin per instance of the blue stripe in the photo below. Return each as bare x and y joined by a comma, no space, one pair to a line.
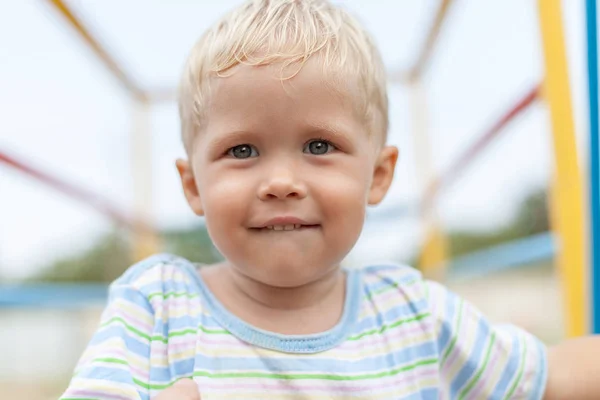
388,361
541,381
130,295
448,322
471,356
390,276
511,369
102,374
399,312
592,51
131,344
445,302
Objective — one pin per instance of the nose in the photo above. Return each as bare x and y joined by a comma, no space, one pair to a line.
280,184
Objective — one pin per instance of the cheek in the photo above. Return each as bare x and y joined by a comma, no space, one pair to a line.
343,195
224,198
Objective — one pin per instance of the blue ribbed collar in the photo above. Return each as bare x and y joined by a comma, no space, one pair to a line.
312,343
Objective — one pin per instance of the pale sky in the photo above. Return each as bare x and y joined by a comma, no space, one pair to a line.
61,111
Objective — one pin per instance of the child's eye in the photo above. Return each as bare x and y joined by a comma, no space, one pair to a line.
318,147
243,151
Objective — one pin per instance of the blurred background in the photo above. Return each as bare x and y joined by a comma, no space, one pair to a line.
89,135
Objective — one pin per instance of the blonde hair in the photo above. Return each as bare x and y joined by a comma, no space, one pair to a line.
263,32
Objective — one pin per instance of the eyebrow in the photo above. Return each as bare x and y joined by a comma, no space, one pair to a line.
228,139
333,129
231,138
339,132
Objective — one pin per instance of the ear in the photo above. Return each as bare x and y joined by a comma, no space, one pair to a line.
190,189
383,174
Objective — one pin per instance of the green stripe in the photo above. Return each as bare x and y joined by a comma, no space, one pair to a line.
455,336
520,373
111,360
328,377
384,328
214,331
182,332
172,294
388,288
190,331
161,338
476,377
127,326
142,384
149,386
159,386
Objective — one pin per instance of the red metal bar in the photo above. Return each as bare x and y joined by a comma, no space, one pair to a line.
88,198
466,158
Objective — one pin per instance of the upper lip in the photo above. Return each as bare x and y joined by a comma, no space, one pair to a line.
284,220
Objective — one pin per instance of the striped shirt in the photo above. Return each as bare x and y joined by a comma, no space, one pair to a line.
400,337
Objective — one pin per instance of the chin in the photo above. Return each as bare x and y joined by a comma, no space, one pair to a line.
287,275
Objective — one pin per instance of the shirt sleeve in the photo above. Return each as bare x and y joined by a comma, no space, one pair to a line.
115,365
479,360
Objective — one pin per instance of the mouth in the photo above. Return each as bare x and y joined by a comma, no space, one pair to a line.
285,228
285,224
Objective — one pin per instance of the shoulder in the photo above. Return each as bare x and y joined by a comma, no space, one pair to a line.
159,277
385,278
397,291
392,272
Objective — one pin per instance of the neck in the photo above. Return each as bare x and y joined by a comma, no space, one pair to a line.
309,295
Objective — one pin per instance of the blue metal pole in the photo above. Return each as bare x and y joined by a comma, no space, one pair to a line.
594,161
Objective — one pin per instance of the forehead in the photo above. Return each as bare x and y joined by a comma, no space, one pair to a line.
272,93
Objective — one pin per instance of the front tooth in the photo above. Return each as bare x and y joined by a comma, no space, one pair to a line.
270,227
277,227
288,227
297,226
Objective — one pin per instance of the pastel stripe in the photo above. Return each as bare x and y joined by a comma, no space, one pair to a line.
408,338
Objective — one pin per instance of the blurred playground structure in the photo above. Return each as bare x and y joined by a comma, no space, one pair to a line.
546,282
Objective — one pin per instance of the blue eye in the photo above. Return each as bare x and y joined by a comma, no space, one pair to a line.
242,151
318,147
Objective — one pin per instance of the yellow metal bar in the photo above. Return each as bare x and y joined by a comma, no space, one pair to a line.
427,50
567,187
434,253
95,46
145,242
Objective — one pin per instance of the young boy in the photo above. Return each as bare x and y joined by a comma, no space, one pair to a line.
284,118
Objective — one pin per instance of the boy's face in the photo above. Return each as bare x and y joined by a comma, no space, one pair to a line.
283,172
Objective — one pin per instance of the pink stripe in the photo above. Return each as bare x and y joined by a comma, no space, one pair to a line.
486,377
122,354
172,301
94,394
328,386
129,318
451,359
388,295
455,353
181,346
